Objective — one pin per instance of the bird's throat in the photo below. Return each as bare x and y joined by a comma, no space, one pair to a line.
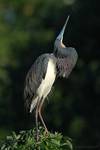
62,45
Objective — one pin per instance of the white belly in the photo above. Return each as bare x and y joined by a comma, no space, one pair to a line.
48,81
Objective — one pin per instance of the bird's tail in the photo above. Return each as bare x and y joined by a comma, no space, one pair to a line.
33,104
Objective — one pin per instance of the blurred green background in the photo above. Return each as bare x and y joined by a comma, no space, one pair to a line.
28,28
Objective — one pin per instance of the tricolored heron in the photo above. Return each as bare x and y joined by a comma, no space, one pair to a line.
43,73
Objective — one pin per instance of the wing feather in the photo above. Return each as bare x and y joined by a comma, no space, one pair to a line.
34,78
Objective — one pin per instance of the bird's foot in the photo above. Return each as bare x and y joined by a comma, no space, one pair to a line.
46,132
37,135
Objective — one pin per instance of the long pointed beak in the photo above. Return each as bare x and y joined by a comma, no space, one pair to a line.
60,36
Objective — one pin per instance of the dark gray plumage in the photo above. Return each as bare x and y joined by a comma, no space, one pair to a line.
43,73
34,78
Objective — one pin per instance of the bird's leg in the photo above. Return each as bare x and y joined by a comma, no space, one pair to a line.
40,115
36,117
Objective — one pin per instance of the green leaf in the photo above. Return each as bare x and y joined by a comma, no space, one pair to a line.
27,140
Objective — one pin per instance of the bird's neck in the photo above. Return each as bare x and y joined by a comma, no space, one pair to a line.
61,49
60,44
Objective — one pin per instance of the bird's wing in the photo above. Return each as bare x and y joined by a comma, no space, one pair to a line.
64,67
34,78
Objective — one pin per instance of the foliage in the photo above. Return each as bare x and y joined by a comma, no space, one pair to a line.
26,140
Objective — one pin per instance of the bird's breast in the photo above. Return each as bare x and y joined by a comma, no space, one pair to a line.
48,81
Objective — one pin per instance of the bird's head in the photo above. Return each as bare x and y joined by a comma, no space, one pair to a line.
58,45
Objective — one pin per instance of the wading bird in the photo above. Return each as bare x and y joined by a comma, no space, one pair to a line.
43,73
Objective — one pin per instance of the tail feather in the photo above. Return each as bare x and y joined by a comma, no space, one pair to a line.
33,104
